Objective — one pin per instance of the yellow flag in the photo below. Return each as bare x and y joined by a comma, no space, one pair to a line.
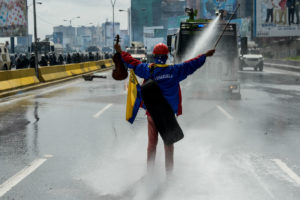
134,98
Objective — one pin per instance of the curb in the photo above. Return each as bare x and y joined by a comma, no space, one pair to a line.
283,67
43,85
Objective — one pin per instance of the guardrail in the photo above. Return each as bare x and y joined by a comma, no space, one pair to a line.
283,65
283,62
26,77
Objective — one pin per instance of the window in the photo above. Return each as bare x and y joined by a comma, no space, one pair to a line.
131,51
141,51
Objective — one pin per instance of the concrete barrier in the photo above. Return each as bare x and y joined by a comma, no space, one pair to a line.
101,64
25,77
73,69
84,67
52,73
108,63
93,66
17,78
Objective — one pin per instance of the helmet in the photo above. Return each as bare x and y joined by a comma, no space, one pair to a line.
160,49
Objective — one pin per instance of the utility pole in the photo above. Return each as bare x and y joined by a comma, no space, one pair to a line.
129,23
35,41
113,3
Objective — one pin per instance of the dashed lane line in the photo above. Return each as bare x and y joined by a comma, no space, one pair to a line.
13,181
288,171
102,111
225,112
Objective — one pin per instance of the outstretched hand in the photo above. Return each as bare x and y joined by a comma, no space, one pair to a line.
210,52
118,48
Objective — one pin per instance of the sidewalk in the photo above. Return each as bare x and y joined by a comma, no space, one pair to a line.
283,64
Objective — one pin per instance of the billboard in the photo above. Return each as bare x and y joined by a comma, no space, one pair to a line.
13,18
276,18
244,26
209,7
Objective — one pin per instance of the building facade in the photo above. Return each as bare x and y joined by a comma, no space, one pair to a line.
24,40
107,34
69,35
144,13
172,10
153,35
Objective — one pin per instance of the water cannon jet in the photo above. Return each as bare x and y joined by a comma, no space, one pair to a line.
221,13
216,44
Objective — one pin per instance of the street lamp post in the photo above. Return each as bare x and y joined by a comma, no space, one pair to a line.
35,40
129,23
113,3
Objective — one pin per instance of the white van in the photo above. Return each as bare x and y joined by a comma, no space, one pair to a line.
4,58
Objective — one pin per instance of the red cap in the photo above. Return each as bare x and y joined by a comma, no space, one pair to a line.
160,49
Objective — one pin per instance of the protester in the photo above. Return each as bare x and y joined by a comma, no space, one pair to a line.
167,78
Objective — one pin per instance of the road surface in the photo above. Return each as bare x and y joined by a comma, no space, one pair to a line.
71,142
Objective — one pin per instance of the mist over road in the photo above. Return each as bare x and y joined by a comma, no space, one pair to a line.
71,141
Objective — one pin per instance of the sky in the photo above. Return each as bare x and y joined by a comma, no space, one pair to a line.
53,12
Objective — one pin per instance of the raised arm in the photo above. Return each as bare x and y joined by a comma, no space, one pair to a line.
190,66
140,69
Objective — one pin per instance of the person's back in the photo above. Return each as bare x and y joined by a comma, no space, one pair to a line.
32,61
25,61
19,63
167,78
69,59
60,59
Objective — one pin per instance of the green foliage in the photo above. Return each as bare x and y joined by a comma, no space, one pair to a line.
296,58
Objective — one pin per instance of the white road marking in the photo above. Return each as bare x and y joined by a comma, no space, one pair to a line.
102,111
16,100
288,171
282,65
280,71
13,181
262,184
59,87
225,112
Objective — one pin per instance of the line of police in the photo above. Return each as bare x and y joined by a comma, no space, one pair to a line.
22,62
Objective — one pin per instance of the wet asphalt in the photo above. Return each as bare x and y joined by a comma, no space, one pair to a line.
232,148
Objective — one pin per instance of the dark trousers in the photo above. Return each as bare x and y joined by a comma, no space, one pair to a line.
269,14
291,15
297,9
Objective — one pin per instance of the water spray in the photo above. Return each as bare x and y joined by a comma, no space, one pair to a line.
221,13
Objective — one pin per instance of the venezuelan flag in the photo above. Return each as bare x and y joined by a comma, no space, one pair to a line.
134,98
